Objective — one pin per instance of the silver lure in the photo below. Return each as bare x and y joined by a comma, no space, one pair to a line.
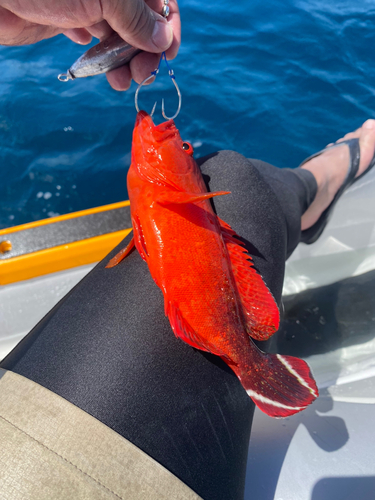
105,56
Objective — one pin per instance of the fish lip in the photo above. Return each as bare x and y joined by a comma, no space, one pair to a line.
159,132
165,126
143,119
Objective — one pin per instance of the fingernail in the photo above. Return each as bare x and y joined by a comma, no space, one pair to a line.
162,35
369,124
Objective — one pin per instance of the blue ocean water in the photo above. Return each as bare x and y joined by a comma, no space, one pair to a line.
274,80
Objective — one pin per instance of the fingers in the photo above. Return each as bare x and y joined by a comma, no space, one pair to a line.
120,78
83,36
139,25
143,64
17,31
175,22
10,26
137,21
101,30
78,35
140,68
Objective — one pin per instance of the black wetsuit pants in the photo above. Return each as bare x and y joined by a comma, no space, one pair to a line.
108,348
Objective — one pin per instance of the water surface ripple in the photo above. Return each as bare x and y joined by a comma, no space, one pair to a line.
273,80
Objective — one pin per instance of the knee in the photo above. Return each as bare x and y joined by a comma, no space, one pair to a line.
226,157
228,166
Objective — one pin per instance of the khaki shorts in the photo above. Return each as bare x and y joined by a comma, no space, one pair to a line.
52,450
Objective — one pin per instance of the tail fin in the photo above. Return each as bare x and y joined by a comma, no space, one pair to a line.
279,385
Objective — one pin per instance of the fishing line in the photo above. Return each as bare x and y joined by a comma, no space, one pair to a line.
152,75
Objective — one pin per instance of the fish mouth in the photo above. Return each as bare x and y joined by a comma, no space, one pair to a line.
146,128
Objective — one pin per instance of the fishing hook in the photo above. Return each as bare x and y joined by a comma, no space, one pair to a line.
173,78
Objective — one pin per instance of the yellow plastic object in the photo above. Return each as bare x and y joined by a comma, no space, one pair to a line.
60,257
5,246
73,215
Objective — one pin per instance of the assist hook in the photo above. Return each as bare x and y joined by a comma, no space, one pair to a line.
173,78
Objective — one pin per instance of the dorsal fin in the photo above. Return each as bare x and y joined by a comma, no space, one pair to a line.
261,311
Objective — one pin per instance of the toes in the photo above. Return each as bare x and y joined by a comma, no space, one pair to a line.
366,136
367,144
369,124
351,135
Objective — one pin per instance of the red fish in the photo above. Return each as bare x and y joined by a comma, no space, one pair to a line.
214,298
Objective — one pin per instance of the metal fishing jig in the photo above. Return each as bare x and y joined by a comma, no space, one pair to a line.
153,74
105,56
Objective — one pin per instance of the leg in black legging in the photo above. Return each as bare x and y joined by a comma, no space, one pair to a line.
108,349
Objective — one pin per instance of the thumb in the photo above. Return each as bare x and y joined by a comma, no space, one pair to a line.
138,25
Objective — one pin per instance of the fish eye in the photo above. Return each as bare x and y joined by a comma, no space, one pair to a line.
186,146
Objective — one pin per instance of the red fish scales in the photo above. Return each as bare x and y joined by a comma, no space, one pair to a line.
214,298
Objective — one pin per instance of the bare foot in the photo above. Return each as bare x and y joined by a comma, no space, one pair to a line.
330,169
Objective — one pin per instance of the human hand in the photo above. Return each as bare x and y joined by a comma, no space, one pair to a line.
138,22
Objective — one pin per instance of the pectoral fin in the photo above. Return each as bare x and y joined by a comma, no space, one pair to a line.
121,255
179,197
139,237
